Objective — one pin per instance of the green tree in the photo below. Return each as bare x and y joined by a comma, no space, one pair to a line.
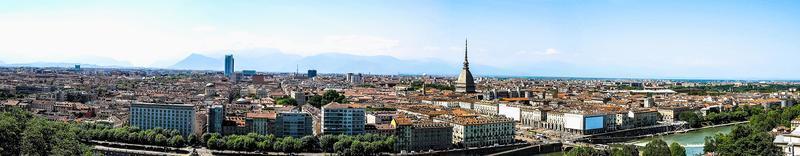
286,101
656,148
327,142
10,134
691,118
176,141
309,143
676,149
37,136
192,140
624,150
582,151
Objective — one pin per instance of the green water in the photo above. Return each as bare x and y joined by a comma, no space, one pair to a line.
693,141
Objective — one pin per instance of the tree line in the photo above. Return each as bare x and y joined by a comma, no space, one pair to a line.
713,117
753,138
655,147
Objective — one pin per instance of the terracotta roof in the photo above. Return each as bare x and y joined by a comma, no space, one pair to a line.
336,105
268,115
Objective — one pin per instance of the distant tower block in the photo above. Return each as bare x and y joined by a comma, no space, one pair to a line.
465,82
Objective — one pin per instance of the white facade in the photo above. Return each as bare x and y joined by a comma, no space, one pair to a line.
509,111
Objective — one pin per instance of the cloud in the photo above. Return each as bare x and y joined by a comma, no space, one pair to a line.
551,51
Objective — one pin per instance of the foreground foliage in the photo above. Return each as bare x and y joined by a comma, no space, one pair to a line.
21,133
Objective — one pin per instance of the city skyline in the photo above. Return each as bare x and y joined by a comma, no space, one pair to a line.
625,39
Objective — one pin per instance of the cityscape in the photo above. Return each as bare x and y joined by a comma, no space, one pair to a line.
96,88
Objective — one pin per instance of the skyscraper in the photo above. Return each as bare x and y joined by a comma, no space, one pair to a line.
465,82
228,65
312,73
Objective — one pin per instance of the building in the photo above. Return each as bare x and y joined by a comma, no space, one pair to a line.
216,115
229,66
671,114
465,83
580,123
381,117
533,117
422,136
345,119
482,131
379,129
180,117
312,73
260,123
248,72
789,143
299,97
295,124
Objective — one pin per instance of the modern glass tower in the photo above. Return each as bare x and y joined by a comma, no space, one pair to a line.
228,65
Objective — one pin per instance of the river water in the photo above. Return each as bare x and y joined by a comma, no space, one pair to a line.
693,141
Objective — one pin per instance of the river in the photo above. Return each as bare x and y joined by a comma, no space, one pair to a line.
693,141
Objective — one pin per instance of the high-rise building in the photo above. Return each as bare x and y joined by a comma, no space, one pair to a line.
345,119
216,115
294,123
229,65
312,73
180,117
465,82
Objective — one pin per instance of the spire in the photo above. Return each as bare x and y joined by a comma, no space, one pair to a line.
466,62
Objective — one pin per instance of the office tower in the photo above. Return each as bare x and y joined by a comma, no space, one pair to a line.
168,116
229,65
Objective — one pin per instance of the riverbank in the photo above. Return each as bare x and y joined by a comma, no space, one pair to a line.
693,140
701,128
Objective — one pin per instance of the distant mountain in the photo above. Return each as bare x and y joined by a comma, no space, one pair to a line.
199,62
60,64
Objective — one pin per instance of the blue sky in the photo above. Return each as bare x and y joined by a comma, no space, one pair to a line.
617,38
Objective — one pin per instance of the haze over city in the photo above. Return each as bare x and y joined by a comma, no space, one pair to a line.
619,38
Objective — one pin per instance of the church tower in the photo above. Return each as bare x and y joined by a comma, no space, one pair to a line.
465,82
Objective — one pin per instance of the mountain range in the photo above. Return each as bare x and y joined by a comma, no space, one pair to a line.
274,61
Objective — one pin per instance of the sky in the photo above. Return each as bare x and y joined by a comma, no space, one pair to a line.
722,39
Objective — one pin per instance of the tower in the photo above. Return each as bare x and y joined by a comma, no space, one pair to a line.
465,83
229,65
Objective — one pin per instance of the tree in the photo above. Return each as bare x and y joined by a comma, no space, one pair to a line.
327,142
10,134
37,136
161,140
309,143
691,118
176,141
656,148
624,150
286,101
582,151
676,149
356,148
215,143
743,140
66,143
192,140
